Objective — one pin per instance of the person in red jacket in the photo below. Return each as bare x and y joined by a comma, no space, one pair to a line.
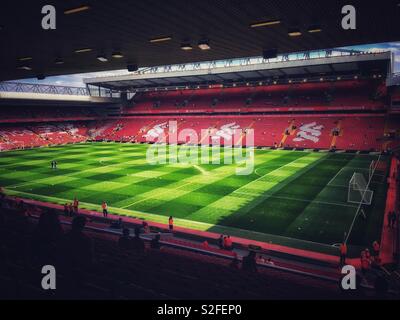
228,243
171,223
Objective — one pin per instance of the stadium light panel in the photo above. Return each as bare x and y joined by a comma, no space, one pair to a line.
83,50
161,39
265,23
186,46
25,59
204,45
117,55
314,29
26,68
102,58
294,33
76,10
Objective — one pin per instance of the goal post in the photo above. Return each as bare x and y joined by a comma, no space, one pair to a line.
359,191
371,170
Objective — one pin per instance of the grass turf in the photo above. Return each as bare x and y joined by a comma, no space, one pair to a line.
292,198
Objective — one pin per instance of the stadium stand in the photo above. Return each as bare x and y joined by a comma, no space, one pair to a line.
345,115
346,95
114,273
37,135
315,131
46,113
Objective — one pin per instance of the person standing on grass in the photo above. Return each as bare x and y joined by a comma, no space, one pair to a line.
171,223
343,253
76,205
104,206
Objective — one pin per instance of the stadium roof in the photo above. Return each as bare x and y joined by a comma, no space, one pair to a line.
125,28
253,70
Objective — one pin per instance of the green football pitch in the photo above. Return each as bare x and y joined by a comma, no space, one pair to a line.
293,198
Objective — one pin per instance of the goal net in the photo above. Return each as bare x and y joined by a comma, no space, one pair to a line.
359,191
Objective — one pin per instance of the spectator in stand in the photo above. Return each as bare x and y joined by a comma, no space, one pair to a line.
76,205
138,243
365,263
66,209
21,205
77,248
125,241
104,206
46,238
71,209
145,227
235,263
249,262
171,223
117,224
155,242
376,246
228,243
221,242
343,253
368,254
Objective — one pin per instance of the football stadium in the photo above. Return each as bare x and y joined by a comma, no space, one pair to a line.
247,150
